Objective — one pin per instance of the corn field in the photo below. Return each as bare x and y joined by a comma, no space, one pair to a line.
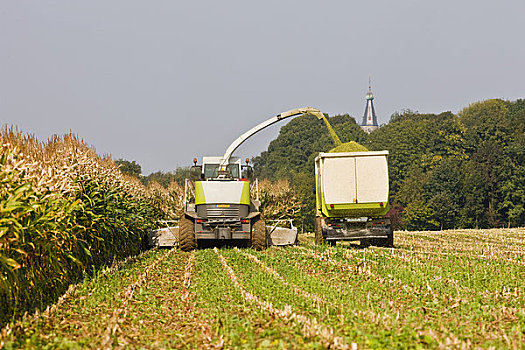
64,213
278,200
74,272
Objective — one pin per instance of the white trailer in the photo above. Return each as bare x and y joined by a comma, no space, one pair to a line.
352,198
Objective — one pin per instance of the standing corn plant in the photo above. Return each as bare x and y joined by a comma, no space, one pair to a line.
64,211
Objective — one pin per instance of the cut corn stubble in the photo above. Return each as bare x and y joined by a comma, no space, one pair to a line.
311,326
316,299
126,296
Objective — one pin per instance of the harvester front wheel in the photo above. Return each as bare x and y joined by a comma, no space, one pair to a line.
259,234
187,235
319,239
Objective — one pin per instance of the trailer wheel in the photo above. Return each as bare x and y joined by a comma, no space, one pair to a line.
259,234
364,243
387,242
319,239
187,235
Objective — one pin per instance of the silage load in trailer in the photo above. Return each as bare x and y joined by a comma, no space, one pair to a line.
351,146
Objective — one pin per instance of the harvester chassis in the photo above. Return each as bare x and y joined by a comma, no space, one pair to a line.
247,229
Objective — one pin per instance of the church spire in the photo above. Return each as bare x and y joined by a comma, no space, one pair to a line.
369,123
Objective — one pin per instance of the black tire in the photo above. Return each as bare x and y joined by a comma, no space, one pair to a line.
319,239
364,243
259,234
385,242
389,241
187,235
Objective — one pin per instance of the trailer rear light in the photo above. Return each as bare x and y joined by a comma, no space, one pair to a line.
200,221
245,221
331,206
381,204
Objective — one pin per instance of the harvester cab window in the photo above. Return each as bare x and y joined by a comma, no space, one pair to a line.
211,171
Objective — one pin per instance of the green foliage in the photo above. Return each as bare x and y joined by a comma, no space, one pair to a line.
165,179
299,142
130,168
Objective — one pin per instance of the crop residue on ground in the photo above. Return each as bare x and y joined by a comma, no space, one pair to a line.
459,289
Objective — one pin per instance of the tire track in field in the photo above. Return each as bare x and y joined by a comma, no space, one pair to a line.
311,326
163,313
126,296
188,272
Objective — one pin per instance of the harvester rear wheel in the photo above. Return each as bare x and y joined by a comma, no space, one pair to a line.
259,234
187,235
319,239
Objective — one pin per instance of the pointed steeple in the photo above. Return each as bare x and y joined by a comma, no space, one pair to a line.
369,123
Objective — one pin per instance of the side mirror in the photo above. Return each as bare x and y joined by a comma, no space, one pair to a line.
247,172
196,172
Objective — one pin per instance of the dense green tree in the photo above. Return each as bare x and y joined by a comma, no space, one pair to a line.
474,193
442,192
131,168
418,215
165,178
416,141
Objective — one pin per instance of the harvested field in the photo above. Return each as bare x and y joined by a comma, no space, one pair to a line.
453,289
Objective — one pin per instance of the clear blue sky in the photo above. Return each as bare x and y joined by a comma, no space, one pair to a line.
160,82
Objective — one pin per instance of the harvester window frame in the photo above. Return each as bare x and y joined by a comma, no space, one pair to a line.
211,170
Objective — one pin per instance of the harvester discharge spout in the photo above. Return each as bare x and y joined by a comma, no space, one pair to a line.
291,113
